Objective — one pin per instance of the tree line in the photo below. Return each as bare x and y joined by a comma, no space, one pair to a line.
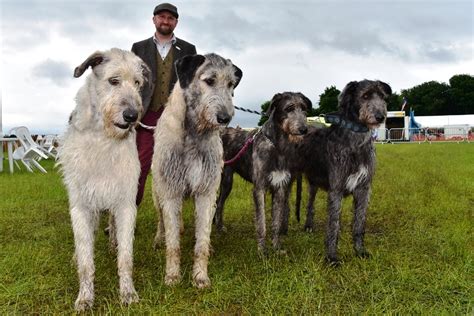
428,98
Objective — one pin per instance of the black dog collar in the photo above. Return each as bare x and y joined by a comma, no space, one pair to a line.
345,123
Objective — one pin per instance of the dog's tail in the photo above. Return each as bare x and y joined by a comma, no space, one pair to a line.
299,186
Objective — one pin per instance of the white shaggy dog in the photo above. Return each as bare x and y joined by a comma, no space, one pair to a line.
188,154
99,160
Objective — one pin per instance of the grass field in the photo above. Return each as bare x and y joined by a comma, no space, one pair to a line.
419,232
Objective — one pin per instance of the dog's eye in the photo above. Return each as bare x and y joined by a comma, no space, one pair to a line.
114,81
366,96
137,83
209,81
290,108
230,85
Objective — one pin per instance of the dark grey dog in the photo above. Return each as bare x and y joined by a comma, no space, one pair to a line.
341,159
267,162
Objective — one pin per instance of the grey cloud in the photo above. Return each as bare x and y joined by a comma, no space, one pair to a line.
226,29
58,72
355,27
362,28
77,20
440,53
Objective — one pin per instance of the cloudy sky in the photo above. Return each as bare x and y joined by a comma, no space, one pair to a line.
281,46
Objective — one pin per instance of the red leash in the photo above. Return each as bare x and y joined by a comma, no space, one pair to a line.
241,151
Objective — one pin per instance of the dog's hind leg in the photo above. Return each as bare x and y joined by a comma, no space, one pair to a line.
204,211
361,202
332,234
225,189
160,226
171,210
309,225
125,226
284,218
112,231
84,222
160,230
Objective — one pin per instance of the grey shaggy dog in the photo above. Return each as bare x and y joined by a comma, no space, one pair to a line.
187,159
267,162
99,161
341,160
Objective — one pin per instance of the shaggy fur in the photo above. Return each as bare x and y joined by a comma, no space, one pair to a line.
267,163
187,159
99,161
342,161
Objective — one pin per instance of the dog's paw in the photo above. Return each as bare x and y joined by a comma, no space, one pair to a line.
334,262
129,297
308,228
362,253
201,281
83,303
172,279
222,229
262,250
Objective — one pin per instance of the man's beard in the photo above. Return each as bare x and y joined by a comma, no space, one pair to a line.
164,30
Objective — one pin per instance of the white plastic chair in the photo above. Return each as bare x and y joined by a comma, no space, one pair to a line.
29,151
48,145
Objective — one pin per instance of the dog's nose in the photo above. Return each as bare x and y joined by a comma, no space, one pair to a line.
379,117
130,115
303,130
223,118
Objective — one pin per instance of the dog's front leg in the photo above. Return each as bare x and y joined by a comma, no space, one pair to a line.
361,202
204,211
125,227
332,234
84,222
160,230
279,204
259,201
171,209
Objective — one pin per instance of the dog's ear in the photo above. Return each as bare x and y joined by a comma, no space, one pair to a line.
385,88
273,103
238,75
309,104
146,72
93,60
347,95
186,68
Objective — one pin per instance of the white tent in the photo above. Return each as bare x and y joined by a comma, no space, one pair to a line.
443,120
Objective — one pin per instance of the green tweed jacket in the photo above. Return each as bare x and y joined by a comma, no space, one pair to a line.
147,51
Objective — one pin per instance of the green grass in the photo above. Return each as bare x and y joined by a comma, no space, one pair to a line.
419,231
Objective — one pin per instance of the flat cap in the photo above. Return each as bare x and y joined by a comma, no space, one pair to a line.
166,7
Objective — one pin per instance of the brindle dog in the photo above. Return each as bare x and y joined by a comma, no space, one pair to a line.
267,162
341,159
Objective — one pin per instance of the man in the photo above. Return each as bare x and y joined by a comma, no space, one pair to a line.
159,52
